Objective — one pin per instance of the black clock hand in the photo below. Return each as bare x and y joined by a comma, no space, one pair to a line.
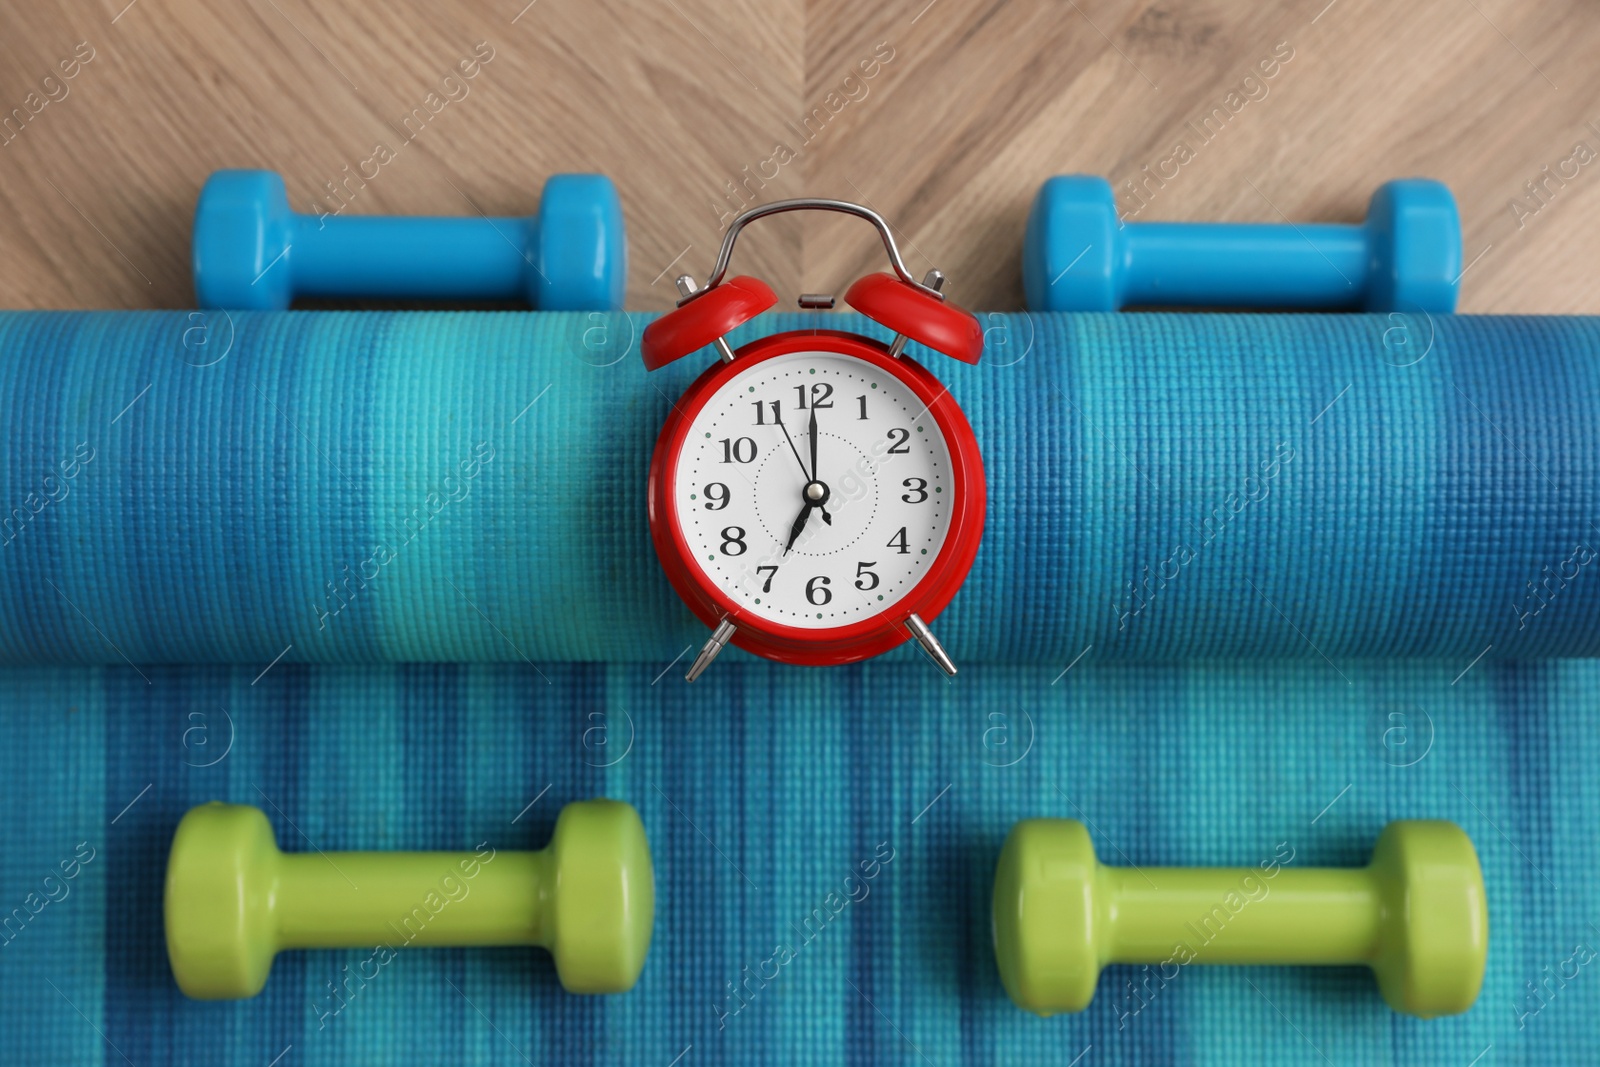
813,442
825,516
799,524
785,427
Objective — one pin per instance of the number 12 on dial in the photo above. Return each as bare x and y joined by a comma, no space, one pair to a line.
816,497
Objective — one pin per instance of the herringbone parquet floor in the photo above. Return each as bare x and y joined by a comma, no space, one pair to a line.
944,115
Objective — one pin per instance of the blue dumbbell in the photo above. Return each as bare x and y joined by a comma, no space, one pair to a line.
252,251
1078,256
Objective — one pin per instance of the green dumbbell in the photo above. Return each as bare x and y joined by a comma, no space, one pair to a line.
233,901
1416,915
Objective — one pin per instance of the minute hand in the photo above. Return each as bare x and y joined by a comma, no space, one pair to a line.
813,442
825,516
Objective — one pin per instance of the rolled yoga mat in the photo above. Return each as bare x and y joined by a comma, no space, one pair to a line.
340,487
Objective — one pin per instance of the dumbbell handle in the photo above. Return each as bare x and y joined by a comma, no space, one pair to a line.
1256,264
234,901
1416,915
1079,255
1309,916
481,258
252,250
353,899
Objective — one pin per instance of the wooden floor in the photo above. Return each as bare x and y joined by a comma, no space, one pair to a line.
945,116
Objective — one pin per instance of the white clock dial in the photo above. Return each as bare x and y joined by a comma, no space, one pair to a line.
880,492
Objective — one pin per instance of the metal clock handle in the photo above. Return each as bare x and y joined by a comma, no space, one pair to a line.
778,207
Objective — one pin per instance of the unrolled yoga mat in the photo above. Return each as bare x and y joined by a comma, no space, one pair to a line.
348,487
763,790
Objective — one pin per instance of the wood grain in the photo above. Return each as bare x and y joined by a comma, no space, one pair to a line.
697,108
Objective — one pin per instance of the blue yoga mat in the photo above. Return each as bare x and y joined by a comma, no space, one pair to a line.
762,788
190,485
381,487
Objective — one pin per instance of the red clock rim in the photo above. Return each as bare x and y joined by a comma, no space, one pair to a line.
853,641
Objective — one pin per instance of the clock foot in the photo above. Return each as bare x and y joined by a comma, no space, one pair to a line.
930,644
714,644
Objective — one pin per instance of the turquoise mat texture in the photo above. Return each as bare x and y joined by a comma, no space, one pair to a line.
392,487
763,789
1250,585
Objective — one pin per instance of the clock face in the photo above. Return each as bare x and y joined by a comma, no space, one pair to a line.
814,489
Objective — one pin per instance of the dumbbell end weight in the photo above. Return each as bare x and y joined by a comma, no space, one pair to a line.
601,904
1045,923
252,251
583,247
1416,915
221,937
243,228
1415,243
1434,944
233,900
1072,255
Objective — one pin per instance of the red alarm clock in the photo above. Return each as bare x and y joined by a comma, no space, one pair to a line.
816,496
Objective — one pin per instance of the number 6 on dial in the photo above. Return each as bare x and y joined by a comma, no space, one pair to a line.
816,496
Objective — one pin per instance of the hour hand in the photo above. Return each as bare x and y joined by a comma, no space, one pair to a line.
799,524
